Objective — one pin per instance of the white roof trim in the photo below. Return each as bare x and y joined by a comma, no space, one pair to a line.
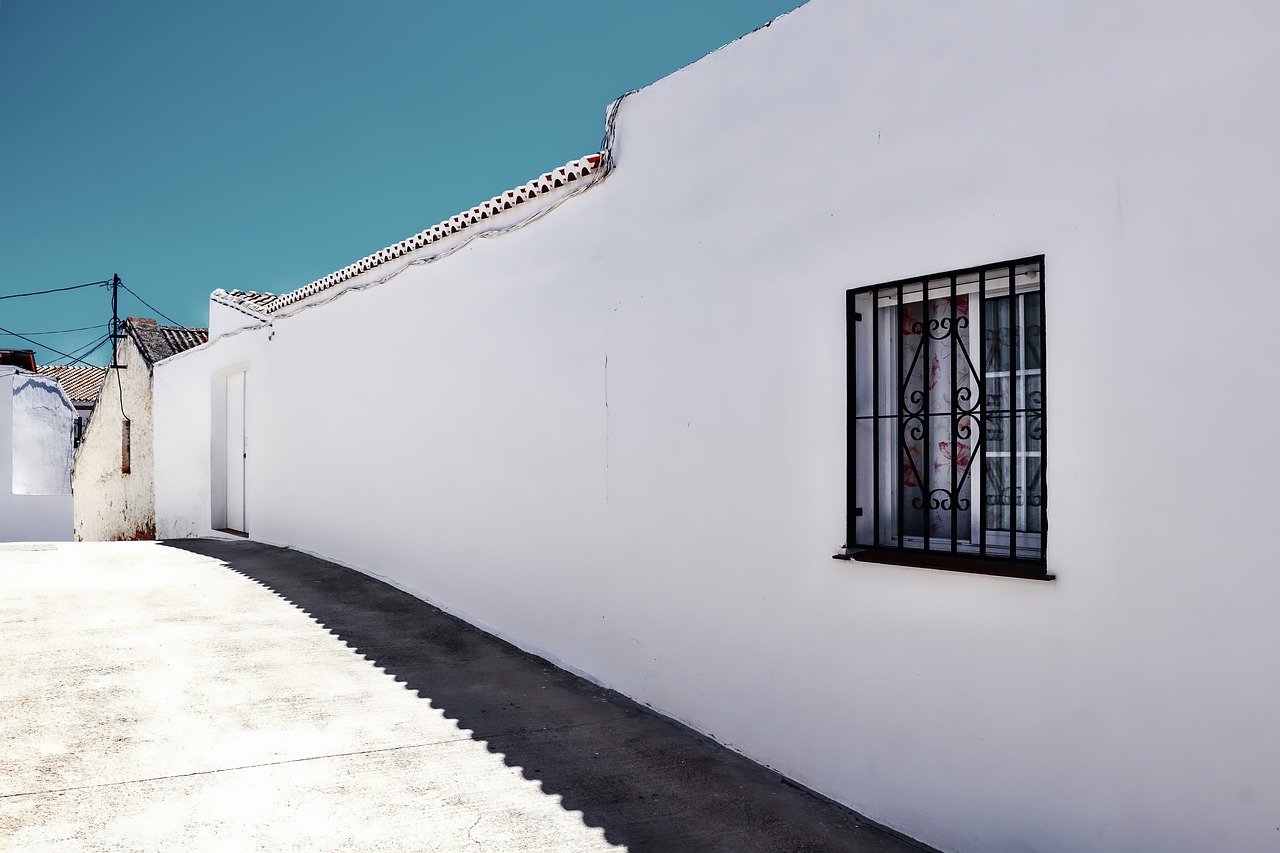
222,297
569,173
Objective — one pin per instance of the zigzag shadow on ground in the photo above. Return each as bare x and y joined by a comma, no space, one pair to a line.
647,782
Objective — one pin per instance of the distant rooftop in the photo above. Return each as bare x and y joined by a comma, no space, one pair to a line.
24,358
81,382
249,297
158,342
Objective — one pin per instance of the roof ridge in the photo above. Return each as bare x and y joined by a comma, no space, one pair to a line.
238,292
244,306
562,176
156,342
80,382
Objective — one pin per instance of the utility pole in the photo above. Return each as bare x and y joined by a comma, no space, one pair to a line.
126,448
115,321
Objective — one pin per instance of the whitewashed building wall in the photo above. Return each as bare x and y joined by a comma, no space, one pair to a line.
36,423
617,436
109,503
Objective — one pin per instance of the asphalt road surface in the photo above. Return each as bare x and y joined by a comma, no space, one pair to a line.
206,695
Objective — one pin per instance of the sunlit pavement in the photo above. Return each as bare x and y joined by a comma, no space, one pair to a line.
231,696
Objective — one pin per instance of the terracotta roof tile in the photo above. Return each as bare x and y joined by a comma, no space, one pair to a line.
82,383
159,342
247,298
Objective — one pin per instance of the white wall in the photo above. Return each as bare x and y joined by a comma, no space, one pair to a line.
225,318
35,458
109,504
617,436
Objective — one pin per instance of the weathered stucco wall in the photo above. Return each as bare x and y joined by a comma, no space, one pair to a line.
109,504
617,436
35,458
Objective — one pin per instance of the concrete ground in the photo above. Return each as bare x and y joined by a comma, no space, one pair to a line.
207,695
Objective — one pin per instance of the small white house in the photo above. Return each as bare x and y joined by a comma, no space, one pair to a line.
982,288
37,424
82,384
114,467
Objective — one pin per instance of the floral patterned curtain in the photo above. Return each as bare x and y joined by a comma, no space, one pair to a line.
937,437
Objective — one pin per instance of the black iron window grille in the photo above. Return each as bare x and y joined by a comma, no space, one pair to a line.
946,420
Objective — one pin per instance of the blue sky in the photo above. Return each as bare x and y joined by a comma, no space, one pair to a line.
261,145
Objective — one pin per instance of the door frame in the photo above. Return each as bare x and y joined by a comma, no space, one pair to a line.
220,451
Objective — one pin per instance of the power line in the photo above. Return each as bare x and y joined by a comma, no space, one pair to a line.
86,352
153,308
92,347
46,346
53,290
80,354
61,331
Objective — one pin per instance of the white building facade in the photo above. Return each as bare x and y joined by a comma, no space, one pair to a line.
37,431
115,467
628,445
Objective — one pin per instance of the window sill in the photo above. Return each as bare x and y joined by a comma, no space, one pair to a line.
1024,569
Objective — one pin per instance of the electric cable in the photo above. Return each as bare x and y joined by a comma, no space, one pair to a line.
46,346
120,385
80,352
53,290
163,315
90,348
60,331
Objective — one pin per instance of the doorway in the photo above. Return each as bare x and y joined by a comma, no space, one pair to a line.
237,452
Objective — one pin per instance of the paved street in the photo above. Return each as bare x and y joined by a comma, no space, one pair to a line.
230,696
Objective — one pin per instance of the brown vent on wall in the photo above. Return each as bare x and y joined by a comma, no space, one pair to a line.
124,446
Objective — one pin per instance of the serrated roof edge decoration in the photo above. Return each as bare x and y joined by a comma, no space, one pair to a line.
253,303
245,301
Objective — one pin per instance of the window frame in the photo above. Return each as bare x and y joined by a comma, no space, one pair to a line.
1014,552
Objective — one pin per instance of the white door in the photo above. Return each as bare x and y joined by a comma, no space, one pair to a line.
236,451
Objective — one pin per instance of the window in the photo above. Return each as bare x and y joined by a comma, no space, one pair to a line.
946,420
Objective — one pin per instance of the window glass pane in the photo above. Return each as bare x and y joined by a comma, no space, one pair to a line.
997,499
889,447
998,394
997,437
1034,511
996,337
911,321
913,497
1031,422
862,430
1033,342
